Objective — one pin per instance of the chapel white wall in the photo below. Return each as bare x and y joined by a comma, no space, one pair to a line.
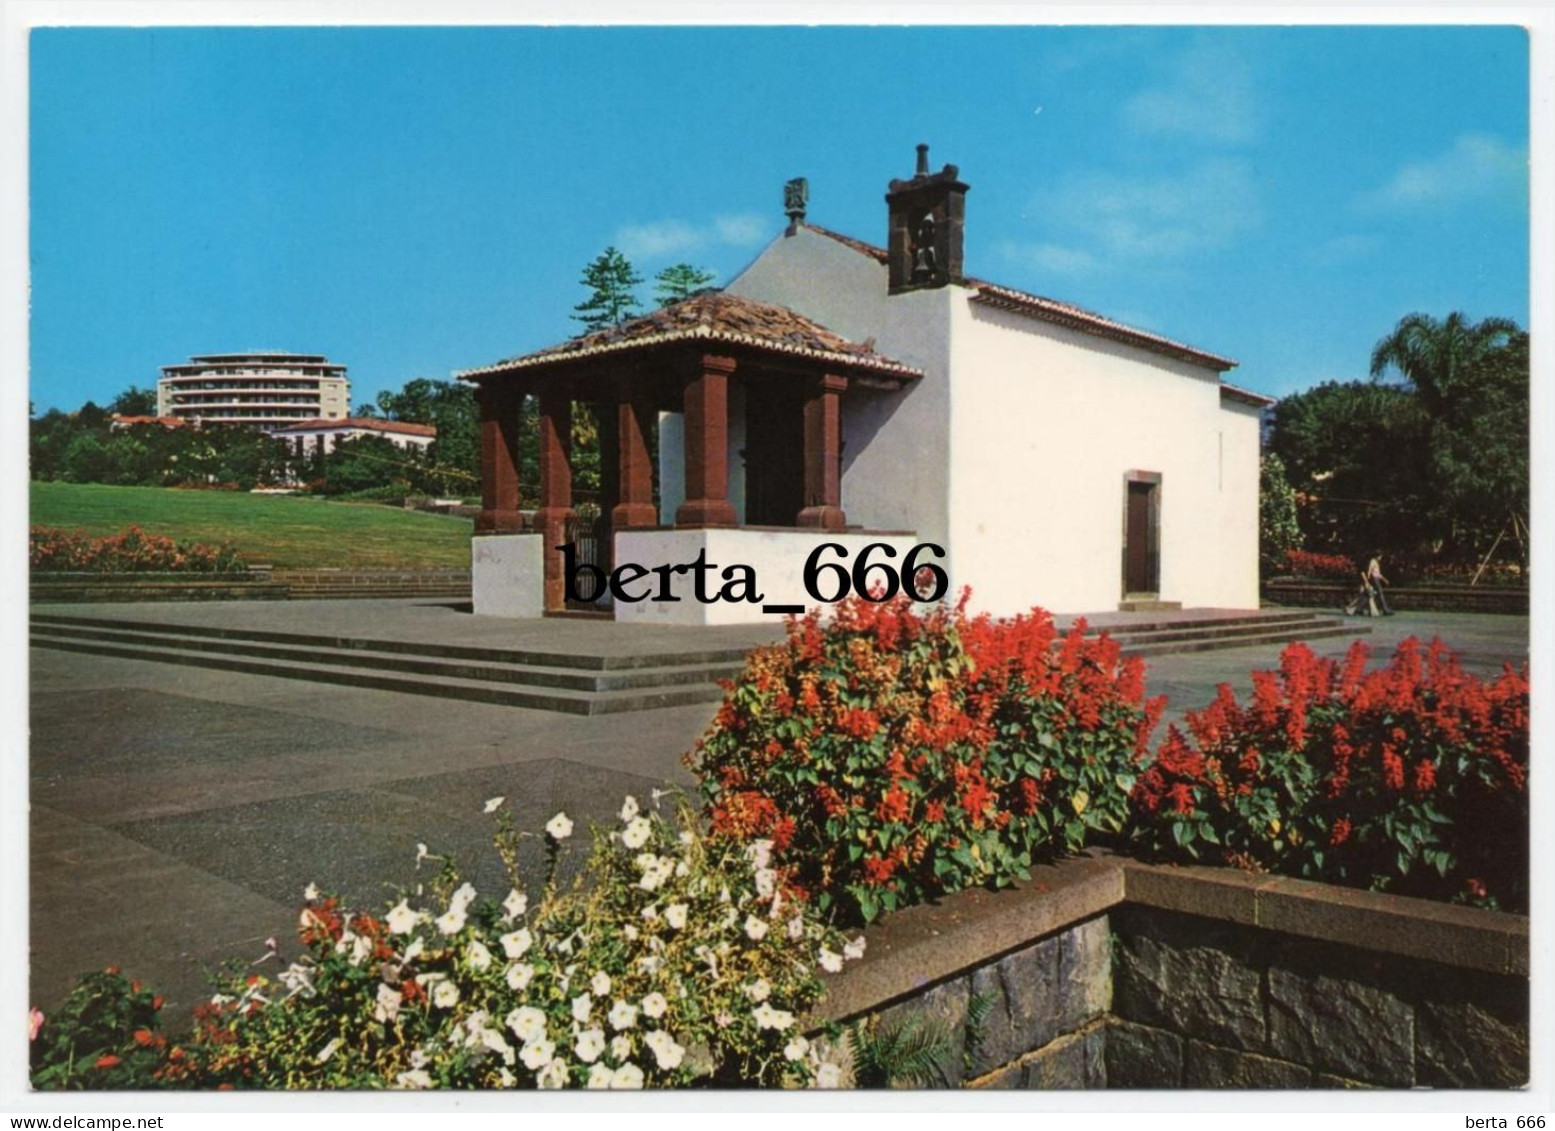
1045,424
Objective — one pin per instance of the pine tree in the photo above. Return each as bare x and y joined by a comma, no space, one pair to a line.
610,280
678,282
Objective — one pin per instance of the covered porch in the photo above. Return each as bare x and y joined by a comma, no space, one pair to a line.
741,400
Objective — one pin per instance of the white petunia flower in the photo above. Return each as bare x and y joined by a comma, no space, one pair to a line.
446,995
494,803
328,1051
536,1054
600,1075
675,915
655,1004
759,853
590,1045
766,882
629,808
828,1076
755,928
516,944
599,984
854,949
796,927
627,1076
769,1018
388,1003
759,990
527,1023
506,1078
582,1008
478,956
623,1015
413,951
311,892
361,949
635,835
519,975
631,932
401,919
415,1078
553,1075
462,898
559,827
650,963
452,921
666,1051
620,1046
686,838
796,1049
830,960
419,1058
514,905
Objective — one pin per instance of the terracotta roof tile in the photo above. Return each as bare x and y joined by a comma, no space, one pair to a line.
1051,310
365,423
716,316
1246,396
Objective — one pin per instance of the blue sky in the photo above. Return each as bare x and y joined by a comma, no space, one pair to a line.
412,202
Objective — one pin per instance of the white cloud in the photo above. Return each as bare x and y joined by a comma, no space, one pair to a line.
666,239
1208,95
1477,166
1049,257
1132,220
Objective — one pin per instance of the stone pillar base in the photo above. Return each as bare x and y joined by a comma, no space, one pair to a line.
551,523
823,518
499,522
706,512
625,516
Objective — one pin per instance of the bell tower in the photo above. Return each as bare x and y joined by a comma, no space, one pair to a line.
928,220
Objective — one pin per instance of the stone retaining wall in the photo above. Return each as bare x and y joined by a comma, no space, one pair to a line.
258,583
1443,598
1105,973
251,585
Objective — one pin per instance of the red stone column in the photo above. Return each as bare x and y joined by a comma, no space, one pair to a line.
707,445
823,455
500,417
555,487
635,415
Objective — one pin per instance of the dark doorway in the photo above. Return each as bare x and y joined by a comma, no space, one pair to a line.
774,455
1141,535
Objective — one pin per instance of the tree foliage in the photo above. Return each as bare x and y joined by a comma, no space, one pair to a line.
1432,467
135,401
1279,532
678,282
609,279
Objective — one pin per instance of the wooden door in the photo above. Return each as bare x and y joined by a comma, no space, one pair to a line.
1138,559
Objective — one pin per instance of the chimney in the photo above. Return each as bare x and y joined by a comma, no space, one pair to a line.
927,224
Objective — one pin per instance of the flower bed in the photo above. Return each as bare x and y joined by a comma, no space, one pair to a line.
891,756
130,551
1305,563
675,960
1411,778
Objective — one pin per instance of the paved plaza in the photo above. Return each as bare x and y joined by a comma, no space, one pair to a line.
177,813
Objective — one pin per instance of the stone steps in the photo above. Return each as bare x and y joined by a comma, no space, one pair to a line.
582,683
570,688
1212,633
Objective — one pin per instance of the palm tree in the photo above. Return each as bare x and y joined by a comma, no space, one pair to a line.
1438,357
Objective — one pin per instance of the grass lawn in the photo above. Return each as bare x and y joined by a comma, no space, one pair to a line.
276,529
